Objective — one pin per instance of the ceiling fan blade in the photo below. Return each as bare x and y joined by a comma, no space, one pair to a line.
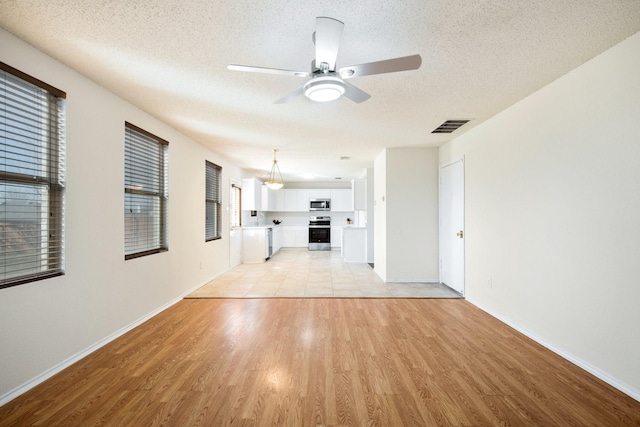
251,69
327,39
355,94
288,97
404,63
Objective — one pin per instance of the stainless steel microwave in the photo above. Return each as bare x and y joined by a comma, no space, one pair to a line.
320,204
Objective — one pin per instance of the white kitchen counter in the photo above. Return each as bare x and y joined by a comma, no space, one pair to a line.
262,226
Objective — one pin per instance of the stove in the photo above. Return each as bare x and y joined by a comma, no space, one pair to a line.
320,233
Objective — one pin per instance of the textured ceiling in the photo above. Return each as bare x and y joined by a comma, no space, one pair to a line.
169,58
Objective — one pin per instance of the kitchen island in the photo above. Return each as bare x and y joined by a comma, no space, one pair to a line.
260,242
354,244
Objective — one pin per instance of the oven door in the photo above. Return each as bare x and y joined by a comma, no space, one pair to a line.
319,238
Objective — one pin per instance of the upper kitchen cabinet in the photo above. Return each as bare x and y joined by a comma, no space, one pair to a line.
320,194
359,187
251,194
296,200
265,198
292,200
272,200
341,200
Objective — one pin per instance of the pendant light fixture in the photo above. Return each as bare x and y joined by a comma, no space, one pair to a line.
275,181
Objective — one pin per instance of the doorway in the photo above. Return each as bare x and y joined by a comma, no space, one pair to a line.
452,225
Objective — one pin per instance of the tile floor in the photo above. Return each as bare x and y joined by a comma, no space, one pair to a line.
299,273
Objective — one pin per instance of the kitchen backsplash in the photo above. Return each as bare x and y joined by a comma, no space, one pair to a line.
299,218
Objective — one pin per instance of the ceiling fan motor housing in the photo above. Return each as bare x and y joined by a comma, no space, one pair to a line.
321,68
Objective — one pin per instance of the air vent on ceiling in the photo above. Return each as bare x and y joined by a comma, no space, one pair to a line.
449,126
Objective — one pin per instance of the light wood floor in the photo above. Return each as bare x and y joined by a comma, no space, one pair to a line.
304,362
300,273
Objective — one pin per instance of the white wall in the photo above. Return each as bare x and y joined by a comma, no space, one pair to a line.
553,214
409,225
380,212
371,216
48,323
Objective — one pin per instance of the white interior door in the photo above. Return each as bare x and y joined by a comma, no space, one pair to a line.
452,225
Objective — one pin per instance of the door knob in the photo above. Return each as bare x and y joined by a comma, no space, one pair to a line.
460,234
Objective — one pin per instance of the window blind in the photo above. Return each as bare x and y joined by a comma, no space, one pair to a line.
145,193
213,201
32,178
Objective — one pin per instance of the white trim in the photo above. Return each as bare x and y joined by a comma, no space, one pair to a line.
23,388
612,381
444,165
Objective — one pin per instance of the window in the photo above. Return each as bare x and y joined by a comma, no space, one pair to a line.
146,193
32,178
236,196
212,201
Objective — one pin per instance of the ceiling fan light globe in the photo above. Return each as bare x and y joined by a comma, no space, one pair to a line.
324,89
325,94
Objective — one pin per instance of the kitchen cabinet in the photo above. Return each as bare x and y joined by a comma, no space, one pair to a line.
277,196
336,236
288,237
272,200
341,200
359,189
255,244
278,238
354,244
296,200
251,194
320,194
302,237
295,236
265,199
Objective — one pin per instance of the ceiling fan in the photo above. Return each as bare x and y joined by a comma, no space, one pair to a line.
327,83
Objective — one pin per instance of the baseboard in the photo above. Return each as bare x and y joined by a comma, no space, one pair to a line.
612,381
12,394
